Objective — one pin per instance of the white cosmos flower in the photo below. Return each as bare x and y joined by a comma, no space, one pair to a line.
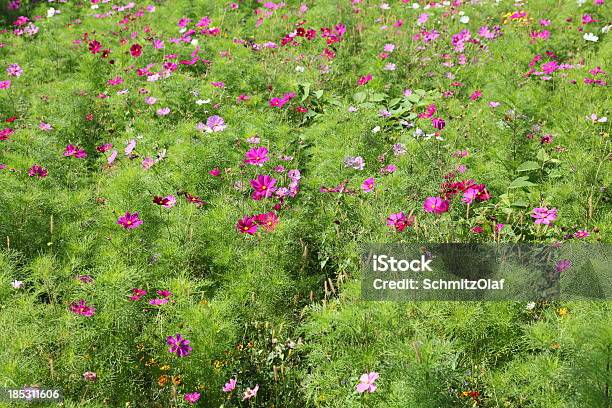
464,19
590,37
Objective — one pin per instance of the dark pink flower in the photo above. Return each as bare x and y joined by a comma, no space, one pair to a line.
129,220
37,171
263,186
435,205
247,225
82,309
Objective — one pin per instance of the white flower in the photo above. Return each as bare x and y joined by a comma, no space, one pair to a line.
51,12
182,30
16,284
464,19
376,129
194,42
590,37
299,68
580,2
415,5
94,6
530,306
605,29
201,102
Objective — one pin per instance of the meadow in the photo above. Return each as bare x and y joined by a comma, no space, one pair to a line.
185,186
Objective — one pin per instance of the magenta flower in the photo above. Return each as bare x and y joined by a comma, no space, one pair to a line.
37,171
257,156
166,202
542,215
137,294
368,185
367,383
435,205
247,225
90,376
158,301
74,151
82,309
581,234
5,84
129,220
470,195
192,398
563,265
230,385
399,221
5,133
267,221
263,186
250,393
364,79
438,123
178,345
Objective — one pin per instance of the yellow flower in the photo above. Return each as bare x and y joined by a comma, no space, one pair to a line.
162,380
562,311
165,367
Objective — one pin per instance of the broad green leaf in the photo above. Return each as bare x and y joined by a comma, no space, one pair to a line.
529,166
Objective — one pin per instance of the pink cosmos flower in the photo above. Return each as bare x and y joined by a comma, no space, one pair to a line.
438,123
178,345
364,79
37,171
435,205
366,383
267,221
543,215
581,234
129,220
230,385
257,156
470,195
158,302
14,70
163,111
112,157
368,185
74,151
5,133
247,225
250,393
192,398
263,186
5,84
214,124
399,221
82,309
45,126
137,294
136,50
130,147
563,265
476,95
90,376
147,163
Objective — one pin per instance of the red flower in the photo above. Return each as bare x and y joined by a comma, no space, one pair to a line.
136,50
